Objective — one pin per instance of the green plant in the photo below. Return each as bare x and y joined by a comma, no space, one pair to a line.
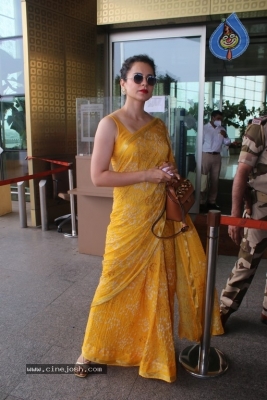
16,120
233,114
262,111
236,115
166,80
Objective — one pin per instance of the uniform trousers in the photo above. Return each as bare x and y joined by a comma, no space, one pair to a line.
252,247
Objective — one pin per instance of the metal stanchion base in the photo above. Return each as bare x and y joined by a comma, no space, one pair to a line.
189,358
72,235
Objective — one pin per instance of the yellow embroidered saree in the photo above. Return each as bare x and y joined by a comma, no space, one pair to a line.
131,316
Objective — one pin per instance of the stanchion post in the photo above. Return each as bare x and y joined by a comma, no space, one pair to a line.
42,192
213,229
203,361
22,204
72,208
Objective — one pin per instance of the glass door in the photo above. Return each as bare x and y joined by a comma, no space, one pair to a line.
179,54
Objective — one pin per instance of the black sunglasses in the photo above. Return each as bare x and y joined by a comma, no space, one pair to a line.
138,78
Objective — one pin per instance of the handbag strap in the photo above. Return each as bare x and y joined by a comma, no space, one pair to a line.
183,229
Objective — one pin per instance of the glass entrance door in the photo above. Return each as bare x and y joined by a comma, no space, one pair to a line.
179,55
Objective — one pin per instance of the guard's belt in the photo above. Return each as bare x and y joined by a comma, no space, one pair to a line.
262,197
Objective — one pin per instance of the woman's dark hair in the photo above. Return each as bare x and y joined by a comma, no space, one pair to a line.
128,63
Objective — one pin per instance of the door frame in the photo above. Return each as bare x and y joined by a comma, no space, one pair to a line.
199,31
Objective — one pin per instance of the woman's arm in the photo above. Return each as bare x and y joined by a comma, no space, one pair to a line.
103,148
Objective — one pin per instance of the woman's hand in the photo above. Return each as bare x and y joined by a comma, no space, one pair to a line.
170,168
165,173
157,175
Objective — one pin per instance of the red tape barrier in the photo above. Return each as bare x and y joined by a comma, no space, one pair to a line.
243,222
33,176
65,166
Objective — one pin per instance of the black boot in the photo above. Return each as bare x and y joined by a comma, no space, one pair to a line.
263,319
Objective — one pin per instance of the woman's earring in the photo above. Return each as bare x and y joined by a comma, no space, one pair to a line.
123,91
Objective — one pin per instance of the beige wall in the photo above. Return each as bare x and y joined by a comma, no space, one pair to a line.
60,66
127,11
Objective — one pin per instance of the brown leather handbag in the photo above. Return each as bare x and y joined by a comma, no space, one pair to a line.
179,200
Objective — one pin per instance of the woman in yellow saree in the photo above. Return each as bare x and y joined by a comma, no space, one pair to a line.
131,316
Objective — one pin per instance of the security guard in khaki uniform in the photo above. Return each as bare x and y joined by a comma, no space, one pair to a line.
249,186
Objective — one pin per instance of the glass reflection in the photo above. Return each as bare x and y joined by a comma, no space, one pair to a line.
13,126
10,18
11,67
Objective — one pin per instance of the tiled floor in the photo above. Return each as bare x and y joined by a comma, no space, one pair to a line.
46,287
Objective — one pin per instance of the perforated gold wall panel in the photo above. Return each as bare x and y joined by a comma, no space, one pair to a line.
62,67
128,11
255,8
62,64
119,11
80,10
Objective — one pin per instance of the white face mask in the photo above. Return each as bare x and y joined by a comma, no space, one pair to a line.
217,123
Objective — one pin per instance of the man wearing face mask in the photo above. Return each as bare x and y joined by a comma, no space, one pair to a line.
214,136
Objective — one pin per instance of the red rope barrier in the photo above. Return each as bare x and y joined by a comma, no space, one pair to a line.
67,164
243,222
33,176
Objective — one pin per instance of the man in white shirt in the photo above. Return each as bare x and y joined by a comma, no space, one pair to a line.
214,136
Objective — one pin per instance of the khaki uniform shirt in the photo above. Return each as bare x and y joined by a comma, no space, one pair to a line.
254,153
